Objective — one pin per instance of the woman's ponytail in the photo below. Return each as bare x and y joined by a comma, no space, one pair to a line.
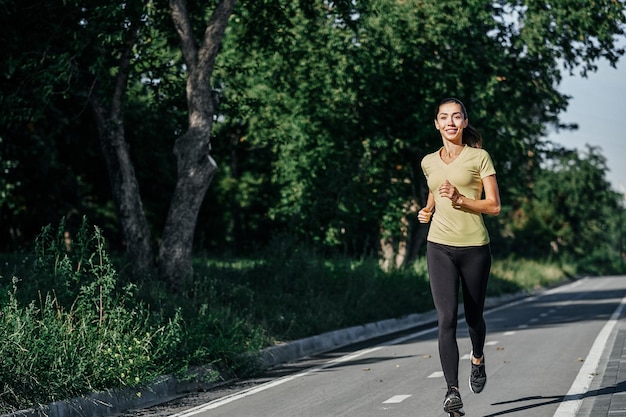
472,137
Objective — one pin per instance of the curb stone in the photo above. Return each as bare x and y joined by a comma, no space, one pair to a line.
168,387
116,401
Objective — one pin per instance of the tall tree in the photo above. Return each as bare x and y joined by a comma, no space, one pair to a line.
196,167
98,49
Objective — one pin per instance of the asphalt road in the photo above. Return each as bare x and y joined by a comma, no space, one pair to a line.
543,353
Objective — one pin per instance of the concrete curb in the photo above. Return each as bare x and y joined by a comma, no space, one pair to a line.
116,401
167,388
289,352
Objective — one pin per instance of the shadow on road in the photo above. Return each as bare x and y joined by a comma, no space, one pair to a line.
614,389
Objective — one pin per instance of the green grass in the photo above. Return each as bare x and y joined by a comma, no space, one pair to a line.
71,324
512,274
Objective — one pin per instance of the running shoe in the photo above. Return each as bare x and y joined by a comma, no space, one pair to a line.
478,375
453,401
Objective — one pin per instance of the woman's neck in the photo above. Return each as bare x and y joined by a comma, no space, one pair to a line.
452,150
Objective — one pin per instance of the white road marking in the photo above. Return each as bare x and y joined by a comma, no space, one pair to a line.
573,400
492,343
396,399
263,387
511,333
437,374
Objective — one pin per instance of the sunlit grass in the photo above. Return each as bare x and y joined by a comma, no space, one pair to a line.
512,274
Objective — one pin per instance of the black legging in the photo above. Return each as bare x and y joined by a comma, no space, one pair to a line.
447,266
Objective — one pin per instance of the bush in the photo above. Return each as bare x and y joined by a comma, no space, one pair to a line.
56,349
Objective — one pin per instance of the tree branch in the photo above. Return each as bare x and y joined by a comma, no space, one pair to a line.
213,35
182,24
121,80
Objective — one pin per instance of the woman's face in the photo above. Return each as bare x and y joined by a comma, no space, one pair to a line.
450,122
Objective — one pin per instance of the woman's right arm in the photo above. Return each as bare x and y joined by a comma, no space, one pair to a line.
425,214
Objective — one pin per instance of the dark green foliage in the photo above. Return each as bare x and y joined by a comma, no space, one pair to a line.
572,215
325,112
326,128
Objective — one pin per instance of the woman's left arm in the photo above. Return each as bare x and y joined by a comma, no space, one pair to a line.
488,205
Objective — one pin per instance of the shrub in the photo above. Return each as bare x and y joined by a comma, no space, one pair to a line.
55,349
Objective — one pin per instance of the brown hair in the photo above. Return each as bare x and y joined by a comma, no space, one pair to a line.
471,136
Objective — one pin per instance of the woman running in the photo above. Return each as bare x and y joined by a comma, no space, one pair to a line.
462,187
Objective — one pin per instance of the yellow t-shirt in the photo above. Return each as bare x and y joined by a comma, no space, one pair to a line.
458,226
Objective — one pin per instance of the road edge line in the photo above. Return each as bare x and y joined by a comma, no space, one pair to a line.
571,403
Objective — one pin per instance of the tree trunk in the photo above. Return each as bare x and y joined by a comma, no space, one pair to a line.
124,187
196,167
417,237
124,184
416,232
